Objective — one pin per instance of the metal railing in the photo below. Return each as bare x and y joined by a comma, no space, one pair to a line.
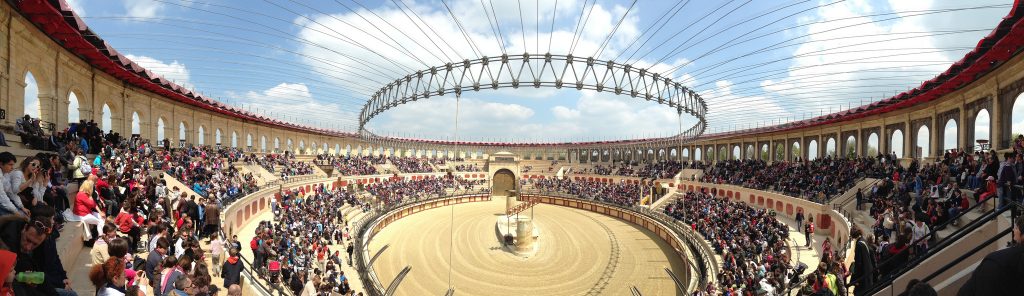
888,279
368,277
697,246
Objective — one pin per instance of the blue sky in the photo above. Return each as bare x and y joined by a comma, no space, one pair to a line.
754,62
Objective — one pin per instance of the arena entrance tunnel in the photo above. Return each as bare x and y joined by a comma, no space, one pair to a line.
504,182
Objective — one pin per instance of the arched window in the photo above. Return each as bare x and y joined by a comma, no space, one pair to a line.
981,127
830,147
105,119
201,133
136,124
74,115
951,135
32,106
924,141
896,143
160,129
872,145
182,132
812,150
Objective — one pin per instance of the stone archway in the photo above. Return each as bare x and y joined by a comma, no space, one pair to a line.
504,181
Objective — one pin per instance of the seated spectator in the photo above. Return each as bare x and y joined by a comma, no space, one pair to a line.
87,210
751,241
108,277
31,133
25,236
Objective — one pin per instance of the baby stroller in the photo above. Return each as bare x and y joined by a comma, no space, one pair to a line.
274,268
794,276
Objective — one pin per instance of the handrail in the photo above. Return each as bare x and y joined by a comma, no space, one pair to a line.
960,233
963,257
374,288
844,203
696,244
934,231
248,273
366,274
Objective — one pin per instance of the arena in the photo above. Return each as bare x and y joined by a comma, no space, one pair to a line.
606,147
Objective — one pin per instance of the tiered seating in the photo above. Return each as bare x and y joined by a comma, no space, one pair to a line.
411,165
751,242
281,164
624,194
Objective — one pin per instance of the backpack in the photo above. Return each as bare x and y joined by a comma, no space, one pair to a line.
85,168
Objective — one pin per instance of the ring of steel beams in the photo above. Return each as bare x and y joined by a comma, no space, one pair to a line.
538,71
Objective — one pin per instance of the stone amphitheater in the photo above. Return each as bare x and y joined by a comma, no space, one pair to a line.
883,195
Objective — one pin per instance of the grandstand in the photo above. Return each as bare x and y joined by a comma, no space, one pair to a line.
112,163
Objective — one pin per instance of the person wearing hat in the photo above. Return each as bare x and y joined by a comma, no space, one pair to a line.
990,189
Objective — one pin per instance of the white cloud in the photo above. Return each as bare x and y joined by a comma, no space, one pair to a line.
848,57
143,8
173,71
295,103
77,6
435,118
592,116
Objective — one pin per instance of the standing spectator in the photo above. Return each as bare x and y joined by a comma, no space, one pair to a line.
155,259
349,250
799,219
809,232
862,271
216,248
212,219
231,270
860,199
1006,178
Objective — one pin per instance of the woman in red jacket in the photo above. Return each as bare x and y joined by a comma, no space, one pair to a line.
990,189
87,210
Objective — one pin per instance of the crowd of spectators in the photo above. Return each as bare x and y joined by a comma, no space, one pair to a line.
621,193
294,251
208,171
284,164
352,165
397,190
751,242
657,170
411,165
818,180
117,191
468,167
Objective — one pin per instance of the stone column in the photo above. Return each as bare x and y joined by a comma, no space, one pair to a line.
961,130
996,123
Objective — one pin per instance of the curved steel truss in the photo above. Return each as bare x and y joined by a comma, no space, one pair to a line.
537,71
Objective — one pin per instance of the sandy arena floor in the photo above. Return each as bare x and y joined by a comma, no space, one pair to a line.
580,253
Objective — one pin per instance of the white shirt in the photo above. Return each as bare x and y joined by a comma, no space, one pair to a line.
920,232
